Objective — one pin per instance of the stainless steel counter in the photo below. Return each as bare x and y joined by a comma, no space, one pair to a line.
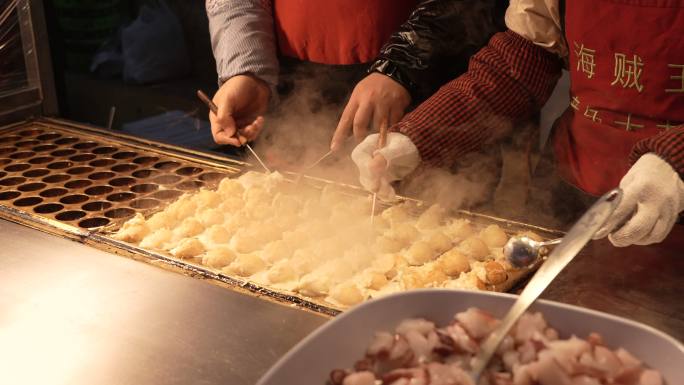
71,314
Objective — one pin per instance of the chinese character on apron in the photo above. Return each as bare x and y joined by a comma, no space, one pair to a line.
627,83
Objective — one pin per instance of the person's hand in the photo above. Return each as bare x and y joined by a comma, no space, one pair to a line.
380,167
653,197
241,102
375,98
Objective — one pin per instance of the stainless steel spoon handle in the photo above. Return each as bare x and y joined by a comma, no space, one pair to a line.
578,236
551,242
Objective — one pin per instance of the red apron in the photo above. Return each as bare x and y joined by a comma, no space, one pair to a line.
627,84
337,31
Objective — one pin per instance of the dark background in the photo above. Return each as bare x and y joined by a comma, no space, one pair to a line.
77,28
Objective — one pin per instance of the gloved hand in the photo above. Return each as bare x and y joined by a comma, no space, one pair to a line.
380,167
653,197
241,101
376,98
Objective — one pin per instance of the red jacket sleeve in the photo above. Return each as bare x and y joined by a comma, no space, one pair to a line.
508,81
668,145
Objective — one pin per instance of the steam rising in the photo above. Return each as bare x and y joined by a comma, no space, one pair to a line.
299,131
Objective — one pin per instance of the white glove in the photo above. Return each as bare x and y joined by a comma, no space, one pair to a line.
653,197
401,156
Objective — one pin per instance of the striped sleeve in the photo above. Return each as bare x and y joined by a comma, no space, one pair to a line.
508,81
668,145
243,39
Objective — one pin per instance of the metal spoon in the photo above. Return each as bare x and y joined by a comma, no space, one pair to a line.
571,244
524,251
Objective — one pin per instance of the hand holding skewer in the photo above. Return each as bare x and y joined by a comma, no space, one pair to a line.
241,139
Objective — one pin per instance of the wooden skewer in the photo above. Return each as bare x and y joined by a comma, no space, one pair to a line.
382,141
214,108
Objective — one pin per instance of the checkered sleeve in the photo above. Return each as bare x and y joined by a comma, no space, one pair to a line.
243,39
508,81
668,145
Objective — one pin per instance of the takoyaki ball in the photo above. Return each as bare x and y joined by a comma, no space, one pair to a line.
188,248
473,247
219,257
246,265
458,229
494,236
453,263
156,240
133,230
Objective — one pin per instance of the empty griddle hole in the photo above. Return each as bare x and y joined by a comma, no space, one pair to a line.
27,143
3,174
5,161
44,147
7,150
144,188
166,179
82,157
98,190
59,165
120,197
125,181
102,162
145,173
68,140
104,150
22,155
11,181
145,159
53,192
145,203
211,176
189,185
32,186
123,212
124,155
6,195
101,175
11,138
74,199
71,215
93,222
37,173
48,136
78,183
32,132
41,159
96,206
57,178
168,165
124,167
166,194
48,208
65,152
189,171
85,145
79,170
30,201
17,167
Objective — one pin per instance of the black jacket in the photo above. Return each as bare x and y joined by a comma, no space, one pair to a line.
434,45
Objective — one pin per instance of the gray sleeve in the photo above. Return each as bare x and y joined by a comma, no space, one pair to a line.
243,39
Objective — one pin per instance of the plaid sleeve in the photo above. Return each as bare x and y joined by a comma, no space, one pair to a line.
508,81
243,39
668,145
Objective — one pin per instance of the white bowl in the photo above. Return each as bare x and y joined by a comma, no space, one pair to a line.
342,341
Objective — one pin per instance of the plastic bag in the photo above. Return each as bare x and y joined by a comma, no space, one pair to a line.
153,46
